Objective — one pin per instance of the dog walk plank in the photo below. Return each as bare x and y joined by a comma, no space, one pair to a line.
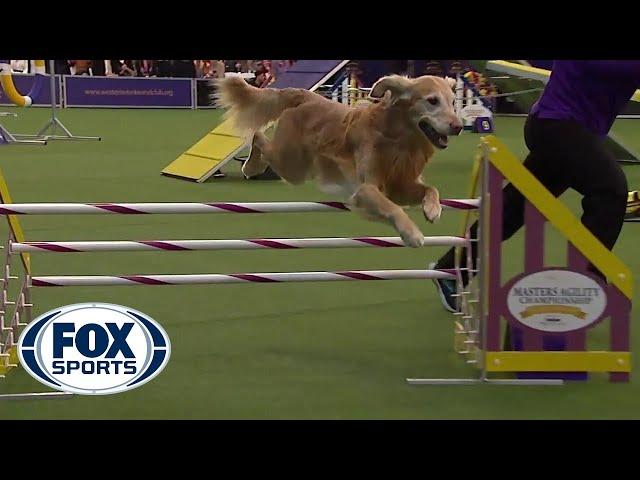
204,158
207,155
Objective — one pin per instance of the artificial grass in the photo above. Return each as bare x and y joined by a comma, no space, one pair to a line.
323,350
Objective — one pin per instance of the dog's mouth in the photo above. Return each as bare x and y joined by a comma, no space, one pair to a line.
438,140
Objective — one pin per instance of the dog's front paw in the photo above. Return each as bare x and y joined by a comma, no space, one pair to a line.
412,237
431,207
432,211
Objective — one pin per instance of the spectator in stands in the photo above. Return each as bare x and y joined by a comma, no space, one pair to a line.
217,68
231,66
123,68
400,66
110,65
202,68
144,68
434,67
61,67
172,68
455,68
19,66
260,79
165,68
184,69
98,68
81,67
176,68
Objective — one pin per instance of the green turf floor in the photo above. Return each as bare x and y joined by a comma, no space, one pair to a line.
323,350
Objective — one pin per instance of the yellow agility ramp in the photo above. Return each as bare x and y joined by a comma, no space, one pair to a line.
222,144
208,155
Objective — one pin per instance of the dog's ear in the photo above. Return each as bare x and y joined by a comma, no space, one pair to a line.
451,82
398,87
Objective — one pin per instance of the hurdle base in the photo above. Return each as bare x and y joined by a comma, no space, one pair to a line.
15,139
52,125
487,381
60,137
37,396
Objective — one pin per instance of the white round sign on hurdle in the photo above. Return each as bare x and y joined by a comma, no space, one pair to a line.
556,300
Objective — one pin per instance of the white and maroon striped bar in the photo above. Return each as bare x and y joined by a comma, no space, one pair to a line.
244,278
184,208
250,244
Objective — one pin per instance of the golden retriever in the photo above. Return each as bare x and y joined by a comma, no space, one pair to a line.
371,154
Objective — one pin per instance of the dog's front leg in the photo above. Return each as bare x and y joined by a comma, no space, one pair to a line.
420,194
431,204
370,200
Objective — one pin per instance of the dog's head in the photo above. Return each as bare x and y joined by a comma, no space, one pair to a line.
428,102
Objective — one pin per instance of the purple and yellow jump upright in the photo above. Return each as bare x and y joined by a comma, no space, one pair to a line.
536,327
551,310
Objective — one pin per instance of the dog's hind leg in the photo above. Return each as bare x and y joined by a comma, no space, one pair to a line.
255,164
286,153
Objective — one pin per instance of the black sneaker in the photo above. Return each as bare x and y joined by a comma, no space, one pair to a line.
446,289
632,213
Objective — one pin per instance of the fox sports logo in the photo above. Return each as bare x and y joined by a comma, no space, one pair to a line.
94,348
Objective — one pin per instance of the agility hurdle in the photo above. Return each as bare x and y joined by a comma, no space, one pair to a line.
10,325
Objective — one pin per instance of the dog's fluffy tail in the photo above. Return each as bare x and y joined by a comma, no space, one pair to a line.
251,108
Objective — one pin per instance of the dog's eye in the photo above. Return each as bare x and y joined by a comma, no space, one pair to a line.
433,100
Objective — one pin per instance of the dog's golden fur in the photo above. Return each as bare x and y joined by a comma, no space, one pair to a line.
372,154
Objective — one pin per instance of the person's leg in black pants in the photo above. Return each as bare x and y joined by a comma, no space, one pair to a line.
563,154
